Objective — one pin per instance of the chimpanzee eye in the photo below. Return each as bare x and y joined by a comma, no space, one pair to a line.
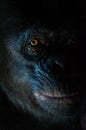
34,42
34,46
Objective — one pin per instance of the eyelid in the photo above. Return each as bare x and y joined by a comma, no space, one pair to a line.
38,37
38,41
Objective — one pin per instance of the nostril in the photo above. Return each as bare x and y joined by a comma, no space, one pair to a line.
52,65
59,64
57,67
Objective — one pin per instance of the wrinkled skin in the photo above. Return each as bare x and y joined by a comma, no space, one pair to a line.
40,76
43,80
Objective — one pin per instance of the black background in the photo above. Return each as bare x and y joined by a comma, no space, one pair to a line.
54,12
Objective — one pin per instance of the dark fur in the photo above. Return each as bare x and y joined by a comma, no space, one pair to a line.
56,68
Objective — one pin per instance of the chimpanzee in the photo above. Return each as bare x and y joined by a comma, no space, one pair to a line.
41,67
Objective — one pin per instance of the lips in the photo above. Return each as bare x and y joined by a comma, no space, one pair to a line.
58,104
57,97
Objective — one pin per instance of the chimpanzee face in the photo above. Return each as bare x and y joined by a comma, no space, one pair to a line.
40,72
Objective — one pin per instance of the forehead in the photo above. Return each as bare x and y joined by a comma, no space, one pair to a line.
40,31
59,34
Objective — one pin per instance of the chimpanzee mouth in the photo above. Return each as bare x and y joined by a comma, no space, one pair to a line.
59,104
56,96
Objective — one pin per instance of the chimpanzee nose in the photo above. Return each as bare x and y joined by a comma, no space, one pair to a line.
56,67
53,65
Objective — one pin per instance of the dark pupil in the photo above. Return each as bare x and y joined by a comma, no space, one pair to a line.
34,42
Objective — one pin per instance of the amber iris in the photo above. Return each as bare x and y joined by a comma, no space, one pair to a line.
34,42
